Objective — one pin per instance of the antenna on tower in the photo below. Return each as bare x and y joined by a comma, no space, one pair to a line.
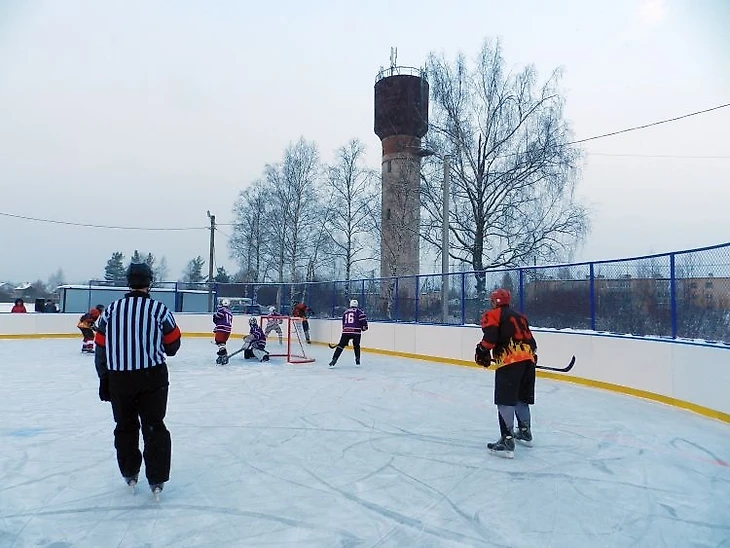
393,57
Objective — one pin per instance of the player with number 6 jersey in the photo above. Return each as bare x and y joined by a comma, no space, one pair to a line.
354,322
508,343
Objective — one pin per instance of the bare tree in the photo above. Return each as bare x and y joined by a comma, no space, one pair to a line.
351,192
321,246
247,244
161,270
56,279
278,232
293,196
514,169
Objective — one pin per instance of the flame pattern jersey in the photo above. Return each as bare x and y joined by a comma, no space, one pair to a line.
507,334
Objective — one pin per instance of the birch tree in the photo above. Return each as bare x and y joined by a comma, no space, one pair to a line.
352,191
514,169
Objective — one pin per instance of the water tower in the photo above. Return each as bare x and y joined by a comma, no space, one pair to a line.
401,120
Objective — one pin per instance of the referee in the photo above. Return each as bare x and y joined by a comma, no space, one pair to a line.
133,336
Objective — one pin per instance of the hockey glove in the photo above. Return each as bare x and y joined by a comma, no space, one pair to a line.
482,356
104,389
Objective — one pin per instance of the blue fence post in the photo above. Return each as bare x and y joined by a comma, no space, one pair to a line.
592,295
673,294
418,293
334,299
463,298
362,294
521,283
395,308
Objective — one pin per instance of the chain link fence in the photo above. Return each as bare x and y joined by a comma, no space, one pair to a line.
685,294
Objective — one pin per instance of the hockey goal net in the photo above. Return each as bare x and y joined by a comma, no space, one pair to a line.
293,343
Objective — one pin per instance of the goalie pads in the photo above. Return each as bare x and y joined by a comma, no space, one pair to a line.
261,355
482,356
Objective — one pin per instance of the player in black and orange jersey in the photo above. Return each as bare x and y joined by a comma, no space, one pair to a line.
508,344
87,326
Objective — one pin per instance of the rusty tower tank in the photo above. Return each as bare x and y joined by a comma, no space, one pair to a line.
401,120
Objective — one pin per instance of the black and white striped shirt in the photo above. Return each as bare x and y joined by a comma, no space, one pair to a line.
135,332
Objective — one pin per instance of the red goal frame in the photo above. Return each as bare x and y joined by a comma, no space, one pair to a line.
294,349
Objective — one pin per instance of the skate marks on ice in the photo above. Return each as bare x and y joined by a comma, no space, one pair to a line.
391,454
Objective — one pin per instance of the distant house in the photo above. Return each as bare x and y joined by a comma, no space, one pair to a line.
25,291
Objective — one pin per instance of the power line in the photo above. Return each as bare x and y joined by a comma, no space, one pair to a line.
651,124
667,156
219,230
595,137
88,225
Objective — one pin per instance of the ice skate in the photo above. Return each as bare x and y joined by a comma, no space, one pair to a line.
524,436
357,363
504,447
332,364
131,482
156,489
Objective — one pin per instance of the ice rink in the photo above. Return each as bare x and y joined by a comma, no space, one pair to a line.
390,454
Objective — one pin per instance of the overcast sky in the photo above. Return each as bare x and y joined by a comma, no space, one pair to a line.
147,114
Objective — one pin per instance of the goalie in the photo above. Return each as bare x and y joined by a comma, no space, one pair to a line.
254,344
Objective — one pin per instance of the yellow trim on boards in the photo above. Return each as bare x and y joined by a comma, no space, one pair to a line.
674,402
42,336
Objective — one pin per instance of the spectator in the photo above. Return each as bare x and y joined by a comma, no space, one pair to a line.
50,307
19,307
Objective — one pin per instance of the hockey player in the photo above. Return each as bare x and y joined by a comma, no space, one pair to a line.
274,324
223,320
87,326
354,322
300,310
507,335
255,342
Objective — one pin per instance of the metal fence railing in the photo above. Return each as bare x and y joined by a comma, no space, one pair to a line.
684,294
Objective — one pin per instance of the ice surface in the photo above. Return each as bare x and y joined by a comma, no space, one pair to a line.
390,454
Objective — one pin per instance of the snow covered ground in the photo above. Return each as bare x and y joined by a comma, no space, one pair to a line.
390,454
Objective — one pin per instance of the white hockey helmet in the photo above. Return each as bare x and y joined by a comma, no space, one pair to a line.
225,302
252,321
354,303
272,309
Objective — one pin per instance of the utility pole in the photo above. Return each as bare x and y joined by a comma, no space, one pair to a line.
445,241
210,261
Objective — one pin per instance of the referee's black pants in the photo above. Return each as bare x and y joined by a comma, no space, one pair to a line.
140,397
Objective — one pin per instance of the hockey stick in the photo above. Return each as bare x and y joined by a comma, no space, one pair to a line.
332,346
558,369
236,353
